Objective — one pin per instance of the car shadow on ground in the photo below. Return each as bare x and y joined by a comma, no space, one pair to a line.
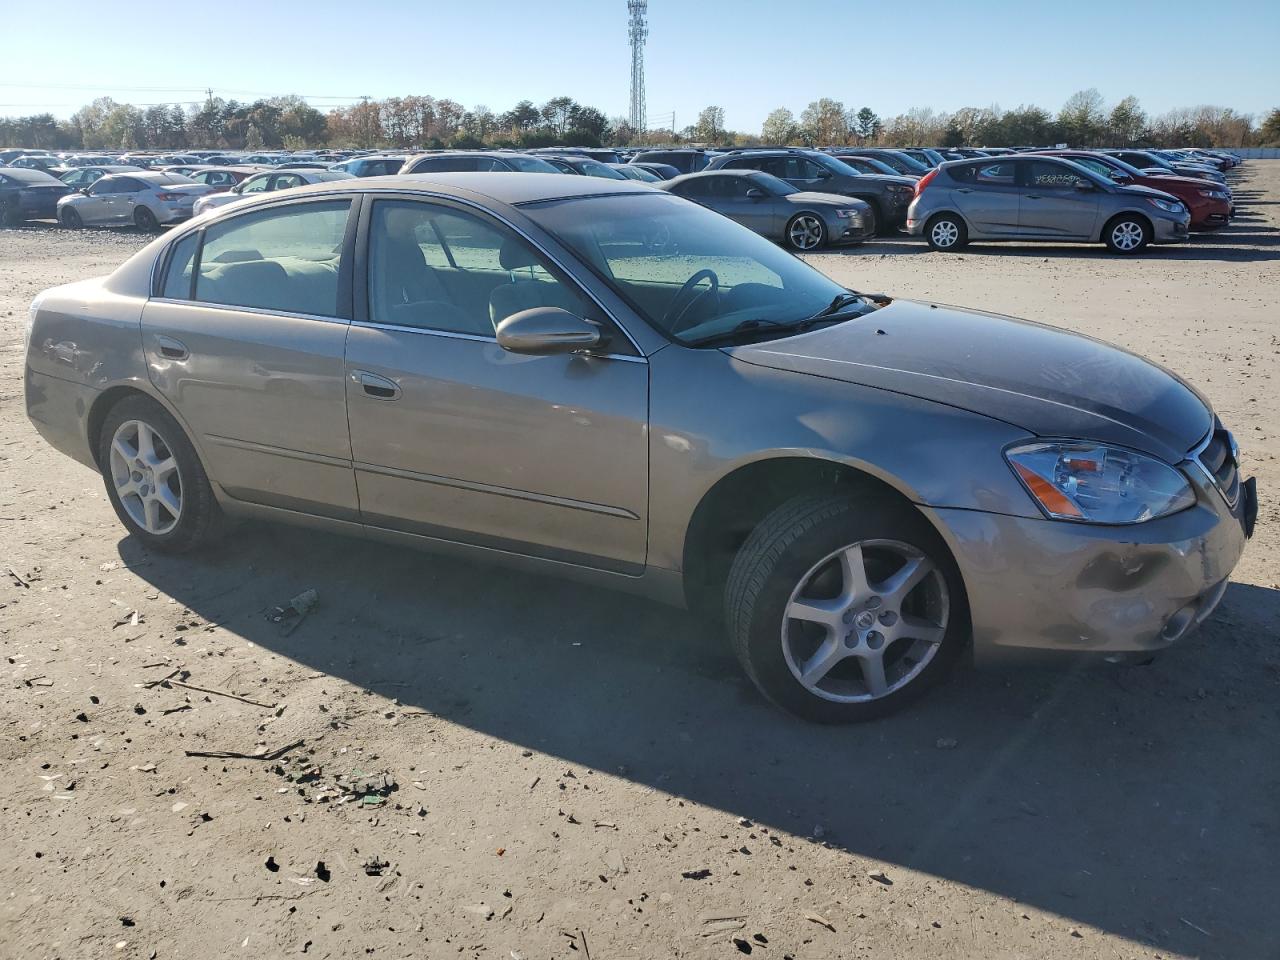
1135,799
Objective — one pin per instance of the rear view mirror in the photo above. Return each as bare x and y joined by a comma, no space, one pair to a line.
547,330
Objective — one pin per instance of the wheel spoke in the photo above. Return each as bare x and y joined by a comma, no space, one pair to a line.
163,469
873,672
824,658
146,443
906,579
169,500
123,450
853,571
151,511
824,612
917,628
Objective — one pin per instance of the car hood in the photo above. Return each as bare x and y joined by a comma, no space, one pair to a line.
812,197
1047,381
1137,190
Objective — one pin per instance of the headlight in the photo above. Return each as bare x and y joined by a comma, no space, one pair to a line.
1213,194
1093,483
849,214
31,321
1171,206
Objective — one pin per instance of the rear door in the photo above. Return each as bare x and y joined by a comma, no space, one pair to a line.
455,438
988,195
1053,203
251,352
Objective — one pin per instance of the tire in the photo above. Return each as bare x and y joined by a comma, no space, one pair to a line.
70,218
946,232
1126,234
146,220
121,446
798,552
806,232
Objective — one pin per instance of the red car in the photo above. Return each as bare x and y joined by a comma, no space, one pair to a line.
1209,203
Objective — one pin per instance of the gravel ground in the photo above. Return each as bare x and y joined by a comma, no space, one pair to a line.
451,760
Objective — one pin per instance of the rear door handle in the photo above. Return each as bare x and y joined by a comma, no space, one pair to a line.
1033,196
172,349
380,388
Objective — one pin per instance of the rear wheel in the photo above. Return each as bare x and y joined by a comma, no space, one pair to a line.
806,232
70,218
145,220
845,609
10,213
946,232
1126,234
154,479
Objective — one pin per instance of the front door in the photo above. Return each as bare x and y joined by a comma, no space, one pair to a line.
988,196
251,353
1054,203
455,438
728,195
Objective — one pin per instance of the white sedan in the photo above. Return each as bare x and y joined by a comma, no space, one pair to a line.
266,182
144,199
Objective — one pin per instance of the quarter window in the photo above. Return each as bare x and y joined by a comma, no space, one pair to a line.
177,276
285,259
434,268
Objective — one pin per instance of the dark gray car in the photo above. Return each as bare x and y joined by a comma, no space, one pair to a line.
814,170
476,161
600,380
1034,198
775,209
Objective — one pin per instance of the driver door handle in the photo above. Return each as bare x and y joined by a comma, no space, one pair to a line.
964,190
379,388
172,349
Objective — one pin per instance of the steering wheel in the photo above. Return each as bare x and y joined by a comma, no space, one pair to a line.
687,296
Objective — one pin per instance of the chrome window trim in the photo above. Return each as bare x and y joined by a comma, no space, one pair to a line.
259,311
1195,454
454,335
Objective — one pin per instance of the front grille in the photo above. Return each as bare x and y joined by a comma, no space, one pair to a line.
1217,457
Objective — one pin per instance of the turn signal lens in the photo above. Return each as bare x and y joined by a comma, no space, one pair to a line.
1093,483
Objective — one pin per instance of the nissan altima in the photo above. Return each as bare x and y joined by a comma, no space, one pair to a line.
602,380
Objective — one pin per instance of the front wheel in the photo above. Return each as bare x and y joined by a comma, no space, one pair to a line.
806,232
71,218
154,478
1126,234
946,232
844,609
145,220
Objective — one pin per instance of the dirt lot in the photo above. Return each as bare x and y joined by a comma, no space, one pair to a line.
574,774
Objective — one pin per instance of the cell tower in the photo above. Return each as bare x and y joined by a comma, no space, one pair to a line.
638,31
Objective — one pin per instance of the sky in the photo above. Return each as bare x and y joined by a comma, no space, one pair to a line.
747,56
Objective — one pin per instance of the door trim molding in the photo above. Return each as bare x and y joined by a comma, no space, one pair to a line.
493,490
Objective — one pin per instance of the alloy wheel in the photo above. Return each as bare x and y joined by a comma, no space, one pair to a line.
805,232
865,620
945,233
145,474
1127,235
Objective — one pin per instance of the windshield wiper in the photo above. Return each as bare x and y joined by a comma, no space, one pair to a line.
841,301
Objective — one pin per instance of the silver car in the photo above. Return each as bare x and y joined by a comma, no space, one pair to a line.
600,380
803,219
1040,198
145,199
267,181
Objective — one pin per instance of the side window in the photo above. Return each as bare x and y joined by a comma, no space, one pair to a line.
694,188
129,185
285,259
808,169
435,268
286,180
257,184
104,185
177,275
1051,176
995,174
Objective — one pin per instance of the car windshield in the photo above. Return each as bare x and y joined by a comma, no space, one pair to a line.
835,165
530,164
695,275
594,168
772,185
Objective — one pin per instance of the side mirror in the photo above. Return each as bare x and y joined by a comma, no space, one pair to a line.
547,330
824,174
755,193
84,190
1084,185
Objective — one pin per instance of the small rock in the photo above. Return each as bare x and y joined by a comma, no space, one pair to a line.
879,876
696,874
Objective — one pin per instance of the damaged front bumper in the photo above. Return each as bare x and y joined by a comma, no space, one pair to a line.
1053,585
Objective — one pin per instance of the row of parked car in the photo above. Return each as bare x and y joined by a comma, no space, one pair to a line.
806,198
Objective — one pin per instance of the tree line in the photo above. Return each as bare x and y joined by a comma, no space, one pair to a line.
424,121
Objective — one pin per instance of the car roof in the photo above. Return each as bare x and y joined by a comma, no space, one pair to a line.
507,188
28,174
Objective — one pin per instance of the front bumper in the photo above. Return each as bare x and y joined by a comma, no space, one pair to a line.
1171,229
1052,585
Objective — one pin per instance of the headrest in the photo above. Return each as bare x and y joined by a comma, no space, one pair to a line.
516,254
